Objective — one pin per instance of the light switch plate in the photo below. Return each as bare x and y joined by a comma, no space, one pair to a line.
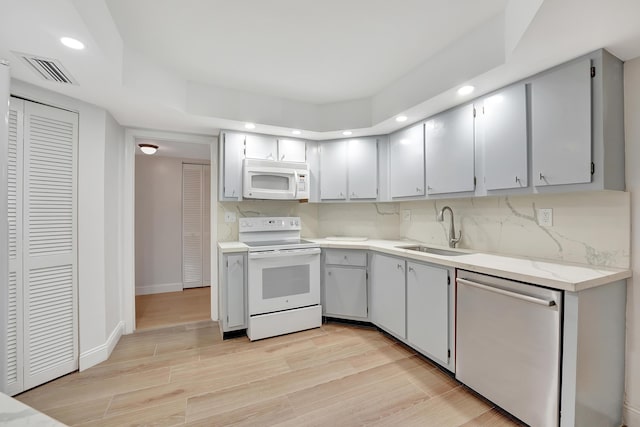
545,217
229,217
406,215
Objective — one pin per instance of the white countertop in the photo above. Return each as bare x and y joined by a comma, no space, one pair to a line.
16,413
557,275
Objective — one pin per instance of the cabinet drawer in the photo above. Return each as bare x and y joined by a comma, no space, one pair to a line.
346,257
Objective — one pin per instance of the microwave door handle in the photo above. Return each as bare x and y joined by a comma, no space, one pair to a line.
295,184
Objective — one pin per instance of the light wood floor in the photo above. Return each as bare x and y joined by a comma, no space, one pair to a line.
173,308
336,375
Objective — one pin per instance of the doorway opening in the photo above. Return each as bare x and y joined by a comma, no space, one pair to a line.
172,233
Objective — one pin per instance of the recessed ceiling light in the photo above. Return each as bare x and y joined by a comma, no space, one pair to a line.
72,43
347,133
465,90
401,119
249,126
296,132
148,148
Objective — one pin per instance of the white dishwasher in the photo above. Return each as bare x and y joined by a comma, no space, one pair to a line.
508,345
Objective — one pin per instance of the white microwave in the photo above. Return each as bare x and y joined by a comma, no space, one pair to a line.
275,180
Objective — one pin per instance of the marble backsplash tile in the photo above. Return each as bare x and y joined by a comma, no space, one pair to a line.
588,228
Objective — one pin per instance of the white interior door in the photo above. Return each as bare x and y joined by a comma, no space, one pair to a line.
206,224
49,252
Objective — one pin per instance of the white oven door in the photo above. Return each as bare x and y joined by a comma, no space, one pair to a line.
284,279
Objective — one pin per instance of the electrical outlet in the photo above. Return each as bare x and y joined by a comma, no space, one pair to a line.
545,217
229,217
406,215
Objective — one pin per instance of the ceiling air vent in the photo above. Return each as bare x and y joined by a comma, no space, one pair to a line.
47,68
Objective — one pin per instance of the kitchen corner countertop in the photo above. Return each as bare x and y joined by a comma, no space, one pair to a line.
16,413
557,275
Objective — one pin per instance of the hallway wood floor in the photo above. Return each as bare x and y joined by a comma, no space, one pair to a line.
336,375
173,308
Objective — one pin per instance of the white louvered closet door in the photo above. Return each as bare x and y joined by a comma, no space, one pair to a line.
192,227
49,243
15,190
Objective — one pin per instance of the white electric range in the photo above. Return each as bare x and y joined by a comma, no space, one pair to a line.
283,277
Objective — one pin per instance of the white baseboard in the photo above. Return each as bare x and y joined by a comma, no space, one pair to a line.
158,289
102,352
631,416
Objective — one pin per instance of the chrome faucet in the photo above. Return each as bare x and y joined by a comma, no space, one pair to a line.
452,228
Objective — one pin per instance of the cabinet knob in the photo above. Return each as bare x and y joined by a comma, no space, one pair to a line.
399,266
411,269
345,257
328,273
541,176
517,179
418,189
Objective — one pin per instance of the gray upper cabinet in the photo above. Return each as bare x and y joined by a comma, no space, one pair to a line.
406,162
333,165
450,151
504,124
362,158
561,125
263,147
349,169
292,150
232,150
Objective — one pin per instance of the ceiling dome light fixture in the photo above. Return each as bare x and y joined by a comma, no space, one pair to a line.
401,119
347,133
465,90
72,43
296,132
148,148
249,126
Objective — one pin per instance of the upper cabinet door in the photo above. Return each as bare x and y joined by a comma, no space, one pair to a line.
263,147
292,150
406,167
561,125
333,165
450,155
504,117
363,168
233,146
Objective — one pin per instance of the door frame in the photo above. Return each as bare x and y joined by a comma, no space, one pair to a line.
128,278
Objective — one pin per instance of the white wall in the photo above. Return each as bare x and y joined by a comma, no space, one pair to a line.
158,223
113,204
92,308
632,138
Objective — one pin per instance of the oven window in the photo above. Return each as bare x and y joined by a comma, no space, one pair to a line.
270,182
280,282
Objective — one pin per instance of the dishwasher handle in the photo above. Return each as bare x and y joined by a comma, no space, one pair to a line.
527,298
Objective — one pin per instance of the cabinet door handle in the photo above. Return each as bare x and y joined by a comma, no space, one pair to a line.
541,176
517,179
399,267
411,269
418,189
328,273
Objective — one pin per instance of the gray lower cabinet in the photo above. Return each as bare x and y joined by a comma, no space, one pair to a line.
345,284
428,315
388,294
232,292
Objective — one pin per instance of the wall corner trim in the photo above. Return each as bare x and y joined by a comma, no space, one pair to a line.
630,415
102,352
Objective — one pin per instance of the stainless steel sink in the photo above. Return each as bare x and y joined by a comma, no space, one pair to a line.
435,251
